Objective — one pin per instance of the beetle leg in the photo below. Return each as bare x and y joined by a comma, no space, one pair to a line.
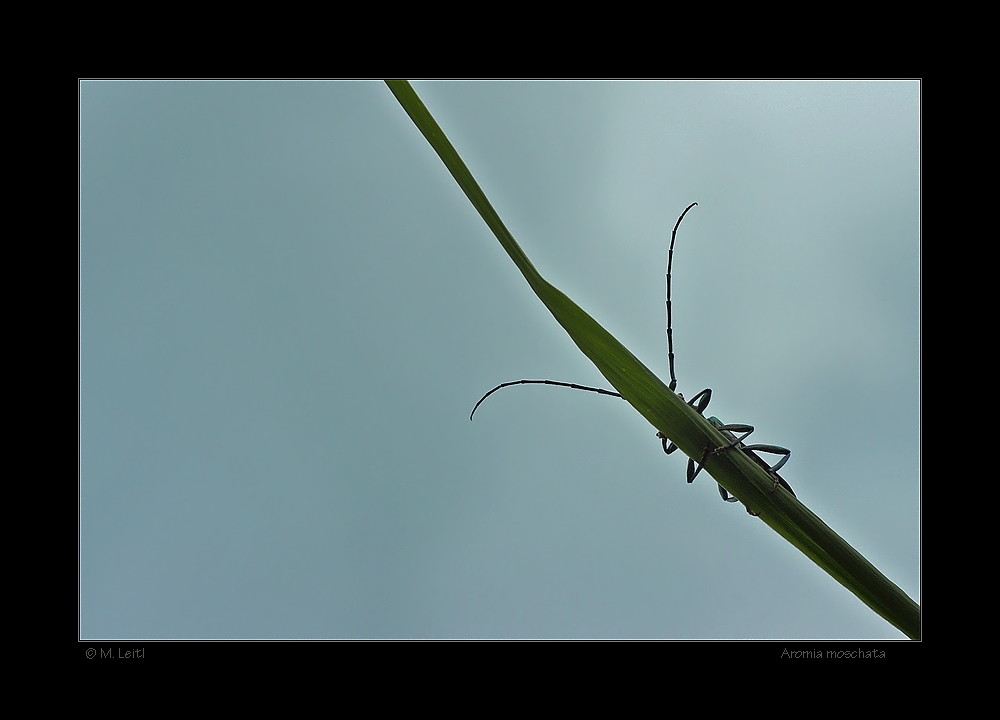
726,496
773,469
692,472
699,402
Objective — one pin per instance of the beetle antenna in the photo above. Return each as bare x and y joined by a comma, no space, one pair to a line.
670,322
542,382
706,394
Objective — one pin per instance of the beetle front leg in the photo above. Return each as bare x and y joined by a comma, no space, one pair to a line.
667,448
699,402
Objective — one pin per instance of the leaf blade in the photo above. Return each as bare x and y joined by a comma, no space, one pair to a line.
669,414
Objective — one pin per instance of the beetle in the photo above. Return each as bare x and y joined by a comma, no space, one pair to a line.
699,402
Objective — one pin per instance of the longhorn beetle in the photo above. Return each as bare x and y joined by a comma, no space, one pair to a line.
699,402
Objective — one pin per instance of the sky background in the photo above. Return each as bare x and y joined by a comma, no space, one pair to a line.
288,309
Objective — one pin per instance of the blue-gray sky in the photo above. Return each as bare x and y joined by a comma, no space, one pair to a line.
288,309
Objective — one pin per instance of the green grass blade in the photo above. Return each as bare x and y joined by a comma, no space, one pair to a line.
669,414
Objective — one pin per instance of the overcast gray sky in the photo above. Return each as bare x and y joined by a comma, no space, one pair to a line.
288,308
